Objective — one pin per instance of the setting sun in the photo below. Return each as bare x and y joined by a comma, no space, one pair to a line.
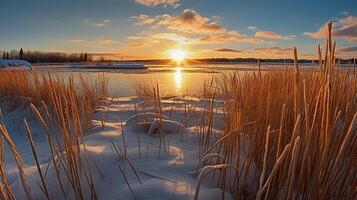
177,55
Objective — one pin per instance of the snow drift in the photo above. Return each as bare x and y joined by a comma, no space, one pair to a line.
15,64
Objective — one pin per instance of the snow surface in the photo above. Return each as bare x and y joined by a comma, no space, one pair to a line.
15,64
165,176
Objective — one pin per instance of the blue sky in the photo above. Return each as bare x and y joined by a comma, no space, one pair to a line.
150,28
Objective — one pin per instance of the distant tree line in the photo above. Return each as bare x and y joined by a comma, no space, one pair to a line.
271,60
45,57
350,61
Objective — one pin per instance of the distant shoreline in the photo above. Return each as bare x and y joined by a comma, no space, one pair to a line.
210,61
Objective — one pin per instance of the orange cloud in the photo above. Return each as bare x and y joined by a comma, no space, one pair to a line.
268,34
345,28
231,36
273,35
143,20
188,21
189,28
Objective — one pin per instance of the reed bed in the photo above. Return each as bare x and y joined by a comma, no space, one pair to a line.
22,87
67,106
297,127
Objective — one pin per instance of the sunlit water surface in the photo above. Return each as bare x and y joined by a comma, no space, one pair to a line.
172,79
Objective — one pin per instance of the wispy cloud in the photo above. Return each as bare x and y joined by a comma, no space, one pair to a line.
98,23
76,40
231,36
106,42
227,50
252,28
268,34
274,50
345,13
347,49
100,41
141,40
273,35
345,28
143,20
179,39
165,3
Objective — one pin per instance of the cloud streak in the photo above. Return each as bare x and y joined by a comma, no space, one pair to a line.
227,50
345,28
231,36
165,3
347,49
274,50
101,42
99,23
273,35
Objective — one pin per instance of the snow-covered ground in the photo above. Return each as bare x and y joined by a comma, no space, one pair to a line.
14,64
165,176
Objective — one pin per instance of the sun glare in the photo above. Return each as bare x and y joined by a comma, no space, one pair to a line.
177,55
178,78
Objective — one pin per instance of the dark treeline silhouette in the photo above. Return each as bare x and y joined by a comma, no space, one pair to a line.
45,57
271,60
349,61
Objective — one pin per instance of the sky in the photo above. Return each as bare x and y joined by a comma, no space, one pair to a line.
151,29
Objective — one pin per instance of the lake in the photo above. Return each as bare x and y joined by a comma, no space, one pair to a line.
172,79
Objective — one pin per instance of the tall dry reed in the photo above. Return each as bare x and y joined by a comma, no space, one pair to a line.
69,107
301,133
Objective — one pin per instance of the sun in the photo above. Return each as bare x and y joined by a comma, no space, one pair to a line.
177,55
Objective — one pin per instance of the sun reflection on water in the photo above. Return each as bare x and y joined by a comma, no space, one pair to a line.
178,78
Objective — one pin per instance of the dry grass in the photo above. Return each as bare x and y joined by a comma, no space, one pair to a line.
21,87
301,131
67,106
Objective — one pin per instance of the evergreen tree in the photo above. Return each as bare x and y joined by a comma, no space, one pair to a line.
21,54
81,57
7,56
4,55
86,57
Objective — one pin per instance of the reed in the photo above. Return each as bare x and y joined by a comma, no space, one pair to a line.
34,153
68,107
18,160
311,112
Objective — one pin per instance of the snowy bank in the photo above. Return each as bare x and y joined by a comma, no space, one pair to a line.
15,64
